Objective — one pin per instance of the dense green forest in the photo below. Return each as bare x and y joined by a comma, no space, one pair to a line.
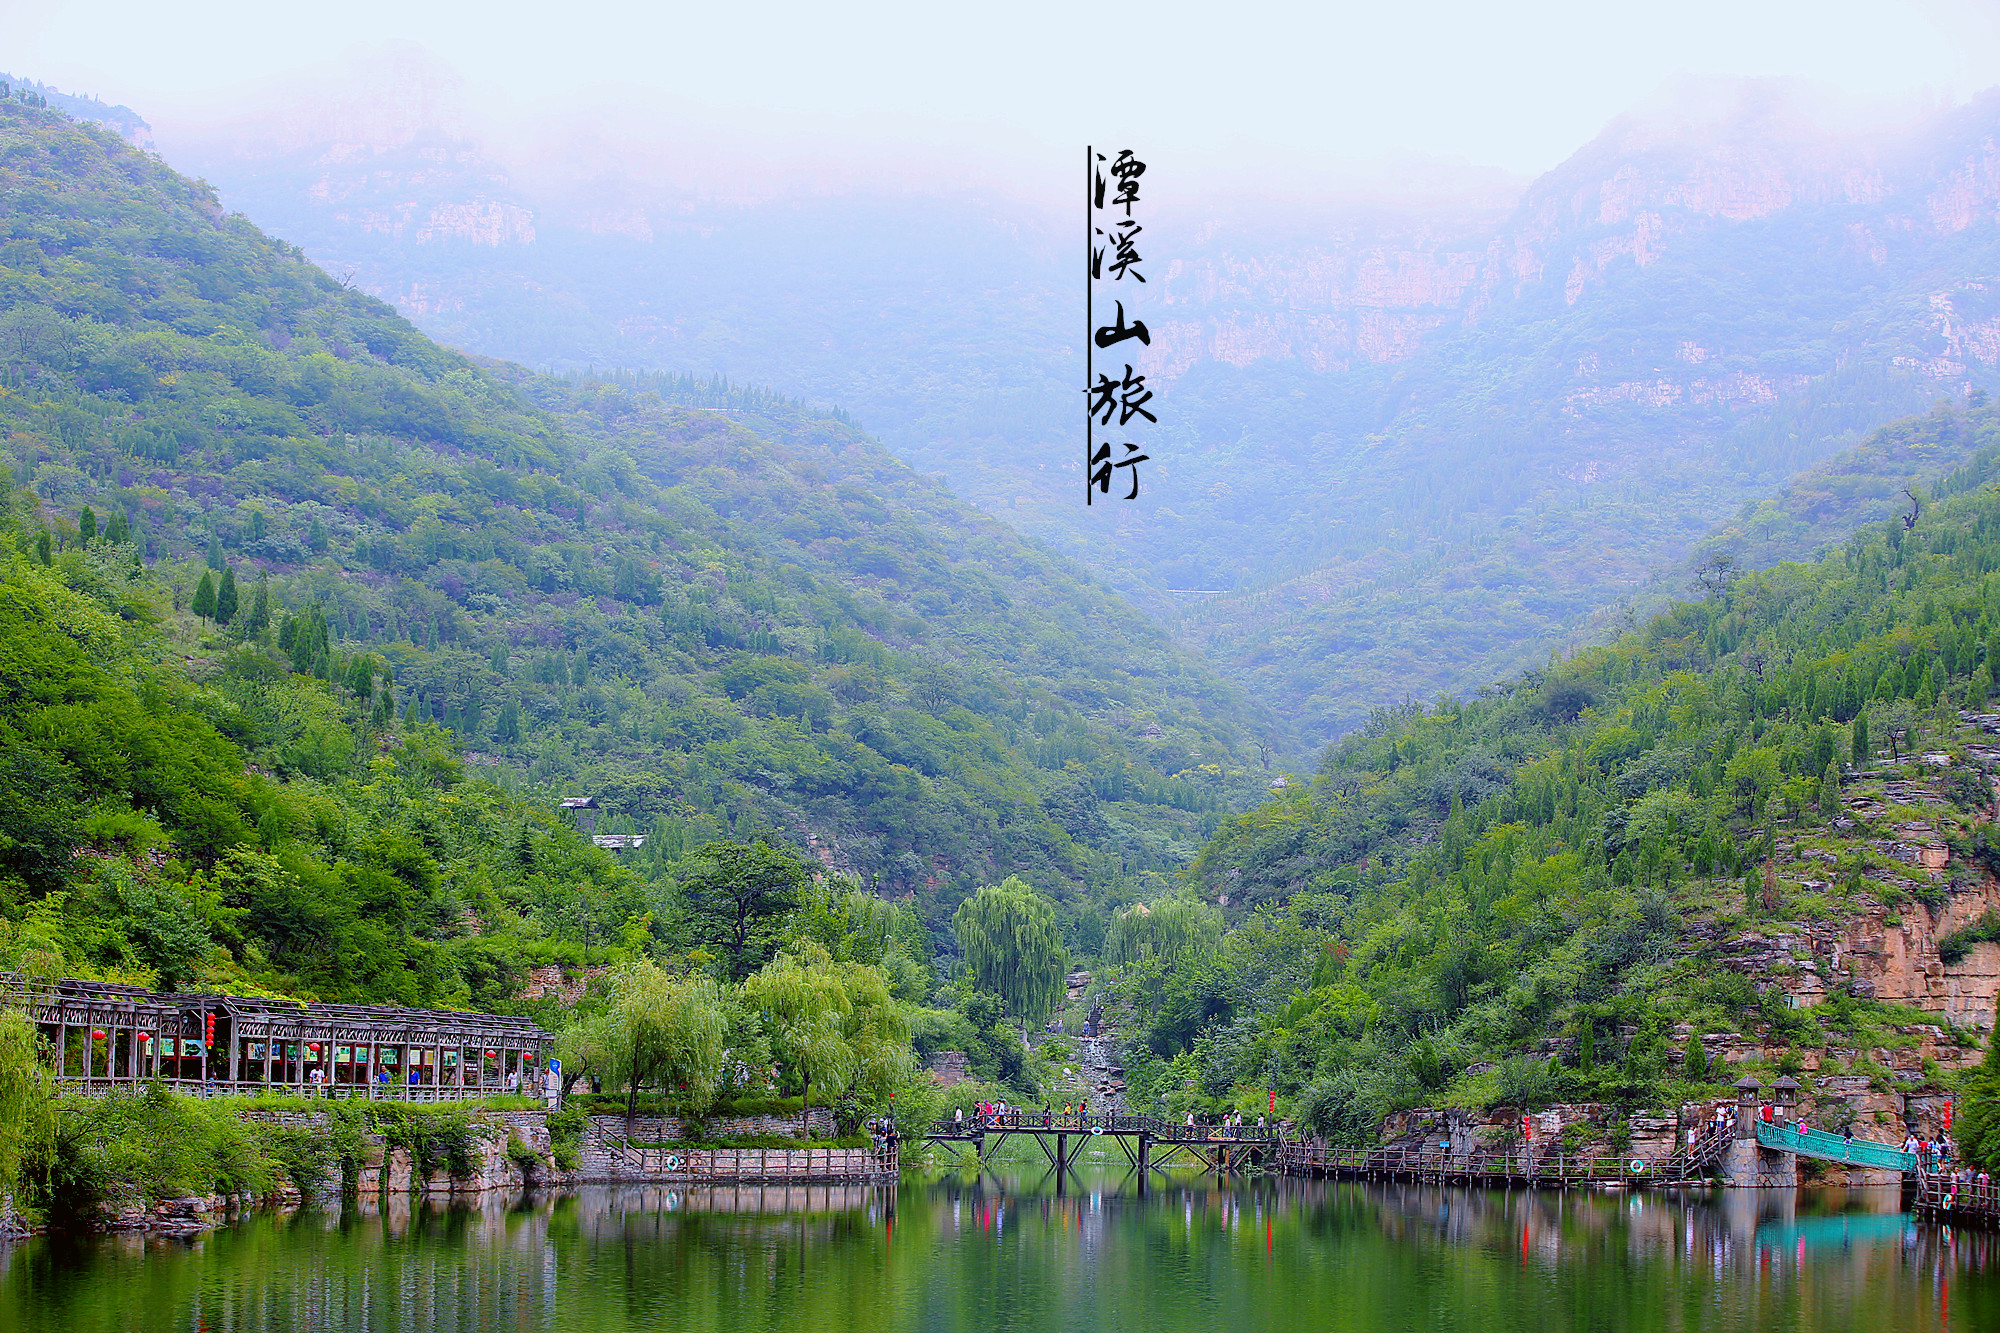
728,623
1527,896
307,625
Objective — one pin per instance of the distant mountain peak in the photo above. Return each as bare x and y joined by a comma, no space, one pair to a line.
121,120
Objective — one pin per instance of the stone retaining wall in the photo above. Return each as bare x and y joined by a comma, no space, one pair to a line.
387,1173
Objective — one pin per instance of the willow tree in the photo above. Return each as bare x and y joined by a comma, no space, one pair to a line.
1007,933
667,1030
27,1107
806,1009
1170,930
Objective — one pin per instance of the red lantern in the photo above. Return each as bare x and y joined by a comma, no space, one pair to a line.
145,1036
313,1047
97,1034
209,1030
490,1055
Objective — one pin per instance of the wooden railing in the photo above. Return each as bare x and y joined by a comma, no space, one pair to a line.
1943,1198
1046,1122
753,1165
1294,1156
1558,1168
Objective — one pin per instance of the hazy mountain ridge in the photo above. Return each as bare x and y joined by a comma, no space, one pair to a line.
1457,430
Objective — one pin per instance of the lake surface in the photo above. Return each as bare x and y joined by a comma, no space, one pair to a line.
1008,1252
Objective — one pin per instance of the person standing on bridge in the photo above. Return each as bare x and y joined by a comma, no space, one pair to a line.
958,1119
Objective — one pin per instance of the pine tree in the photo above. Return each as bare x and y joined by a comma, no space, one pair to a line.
225,597
1695,1066
1860,739
44,549
204,597
119,529
1829,789
215,554
260,609
86,526
1926,694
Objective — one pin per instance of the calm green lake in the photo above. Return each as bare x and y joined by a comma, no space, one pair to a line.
1008,1253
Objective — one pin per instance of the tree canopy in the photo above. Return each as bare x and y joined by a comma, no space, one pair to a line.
737,897
1007,934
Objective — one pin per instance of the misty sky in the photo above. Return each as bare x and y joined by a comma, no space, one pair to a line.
1514,86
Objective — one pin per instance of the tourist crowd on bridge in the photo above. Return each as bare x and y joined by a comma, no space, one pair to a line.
1076,1116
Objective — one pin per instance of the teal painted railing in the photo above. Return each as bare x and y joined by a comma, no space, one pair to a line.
1834,1148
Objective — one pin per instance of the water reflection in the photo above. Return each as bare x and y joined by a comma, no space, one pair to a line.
1005,1252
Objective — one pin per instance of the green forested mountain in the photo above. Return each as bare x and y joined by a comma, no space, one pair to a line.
306,623
1418,446
734,623
1888,472
1544,892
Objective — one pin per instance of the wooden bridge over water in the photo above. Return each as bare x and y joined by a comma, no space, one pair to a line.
1150,1144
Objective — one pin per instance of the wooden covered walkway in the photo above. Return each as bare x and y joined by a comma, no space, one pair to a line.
102,1037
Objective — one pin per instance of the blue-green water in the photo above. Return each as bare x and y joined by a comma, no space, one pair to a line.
1010,1253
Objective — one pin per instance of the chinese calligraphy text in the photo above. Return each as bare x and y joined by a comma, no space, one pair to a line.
1111,192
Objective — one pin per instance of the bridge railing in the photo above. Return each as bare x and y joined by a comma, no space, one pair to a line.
1941,1195
1834,1147
1028,1119
1542,1167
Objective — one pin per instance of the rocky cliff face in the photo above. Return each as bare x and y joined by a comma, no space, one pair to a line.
1633,203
